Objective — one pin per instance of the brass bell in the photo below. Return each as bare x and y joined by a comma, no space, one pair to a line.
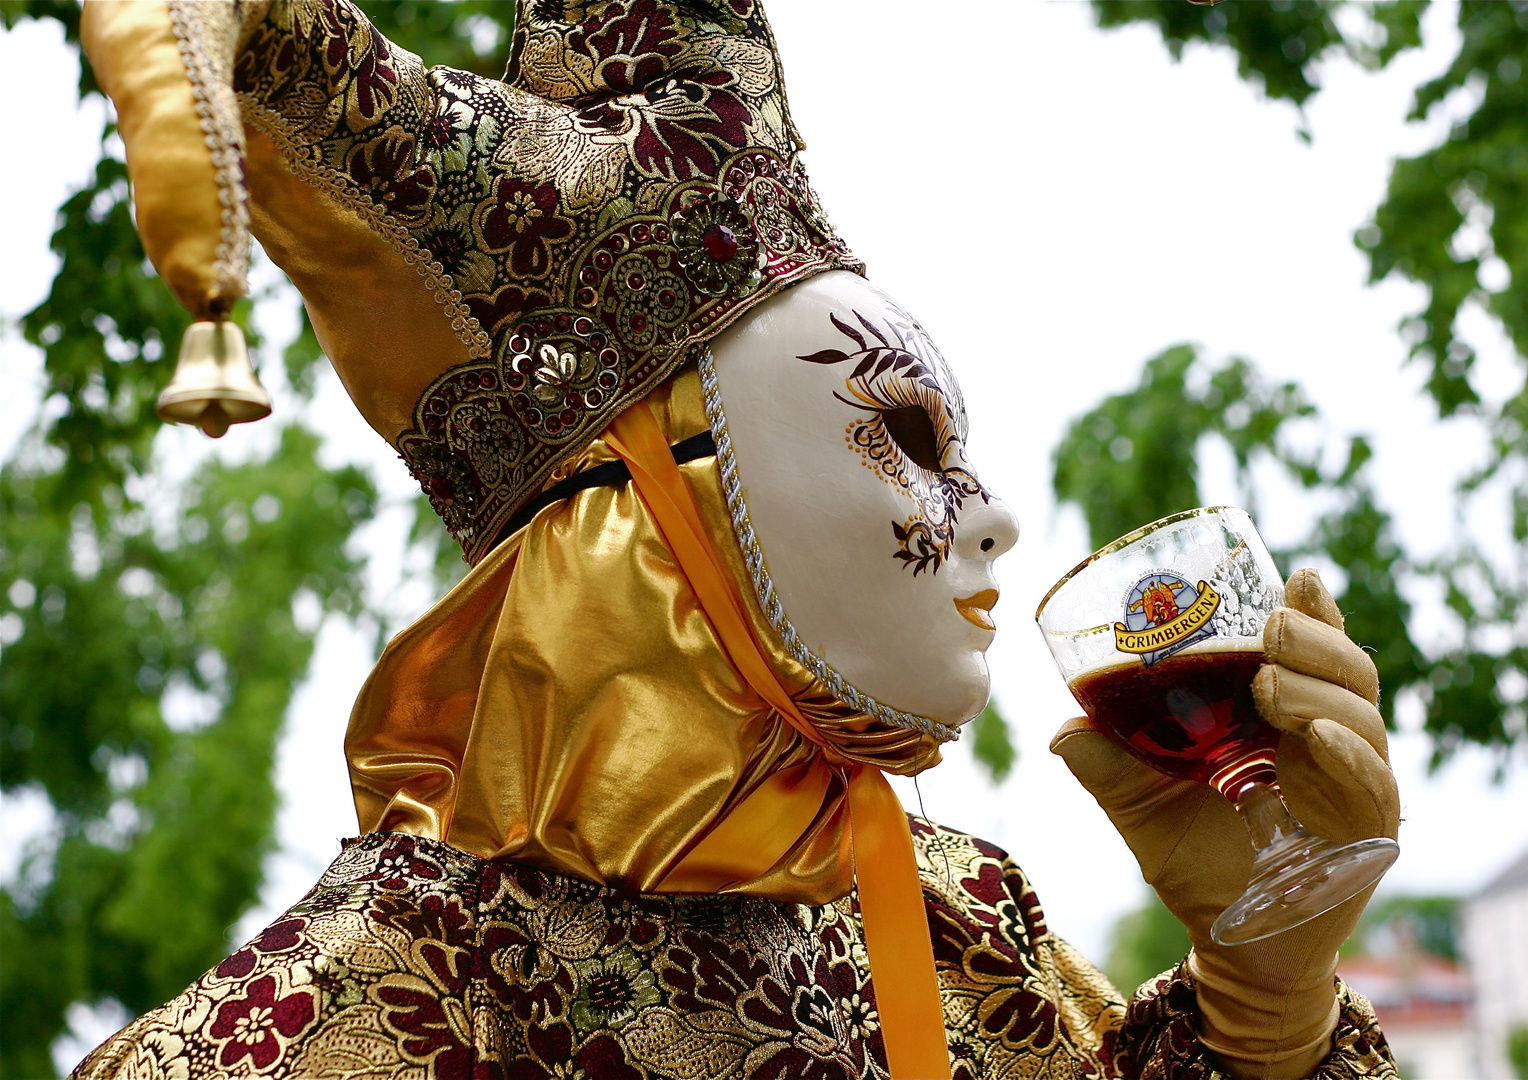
214,384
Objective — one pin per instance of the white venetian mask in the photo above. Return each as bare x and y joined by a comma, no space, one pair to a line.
847,431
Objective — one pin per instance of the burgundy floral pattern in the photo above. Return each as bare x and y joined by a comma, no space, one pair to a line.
258,1024
384,166
678,129
410,958
522,219
628,45
628,189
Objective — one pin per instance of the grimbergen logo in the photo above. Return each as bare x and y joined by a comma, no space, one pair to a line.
1164,613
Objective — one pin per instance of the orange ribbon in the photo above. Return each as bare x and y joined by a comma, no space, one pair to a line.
886,872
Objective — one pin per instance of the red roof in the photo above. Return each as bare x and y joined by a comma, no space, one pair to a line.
1410,989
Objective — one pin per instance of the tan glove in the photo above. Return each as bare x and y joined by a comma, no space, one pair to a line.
1267,1009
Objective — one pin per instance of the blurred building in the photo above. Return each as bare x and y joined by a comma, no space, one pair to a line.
1494,942
1423,1004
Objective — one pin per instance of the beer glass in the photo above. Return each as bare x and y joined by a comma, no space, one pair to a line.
1158,636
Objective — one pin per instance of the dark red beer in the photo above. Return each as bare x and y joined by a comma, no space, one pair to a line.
1190,716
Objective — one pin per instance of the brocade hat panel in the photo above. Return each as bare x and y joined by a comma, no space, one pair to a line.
629,189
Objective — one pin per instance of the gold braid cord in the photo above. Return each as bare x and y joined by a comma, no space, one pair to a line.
410,958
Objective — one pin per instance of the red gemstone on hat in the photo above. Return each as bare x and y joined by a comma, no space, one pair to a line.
720,242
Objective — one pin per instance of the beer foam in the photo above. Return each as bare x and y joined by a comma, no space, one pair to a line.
1199,648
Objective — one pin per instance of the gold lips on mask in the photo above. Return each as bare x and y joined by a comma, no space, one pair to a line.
977,608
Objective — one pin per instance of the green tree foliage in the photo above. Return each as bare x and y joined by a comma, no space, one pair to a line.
1277,44
155,624
1455,222
992,742
1143,944
1429,924
1517,1050
161,826
1134,458
1478,176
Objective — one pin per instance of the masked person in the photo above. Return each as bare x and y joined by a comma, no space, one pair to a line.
623,790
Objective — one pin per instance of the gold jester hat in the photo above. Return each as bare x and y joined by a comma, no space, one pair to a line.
496,268
501,272
628,190
645,191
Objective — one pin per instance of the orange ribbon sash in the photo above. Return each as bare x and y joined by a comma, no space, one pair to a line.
886,873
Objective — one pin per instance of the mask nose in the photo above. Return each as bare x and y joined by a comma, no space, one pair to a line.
986,529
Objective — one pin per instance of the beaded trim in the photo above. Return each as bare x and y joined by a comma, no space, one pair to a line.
343,190
764,586
219,118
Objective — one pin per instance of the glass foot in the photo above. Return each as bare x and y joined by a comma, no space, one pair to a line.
1298,878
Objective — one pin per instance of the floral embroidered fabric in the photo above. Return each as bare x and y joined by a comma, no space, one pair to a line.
1165,1005
412,959
630,188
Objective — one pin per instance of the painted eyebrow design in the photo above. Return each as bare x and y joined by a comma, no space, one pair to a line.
899,385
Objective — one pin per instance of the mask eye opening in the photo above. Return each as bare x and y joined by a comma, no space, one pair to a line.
912,429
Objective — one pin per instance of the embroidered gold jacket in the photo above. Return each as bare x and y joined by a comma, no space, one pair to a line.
412,959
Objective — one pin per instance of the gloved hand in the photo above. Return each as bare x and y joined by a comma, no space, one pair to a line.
1267,1009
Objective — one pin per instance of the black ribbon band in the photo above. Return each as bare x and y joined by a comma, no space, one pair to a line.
610,474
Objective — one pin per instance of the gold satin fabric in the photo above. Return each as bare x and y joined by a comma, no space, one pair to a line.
569,704
137,59
377,319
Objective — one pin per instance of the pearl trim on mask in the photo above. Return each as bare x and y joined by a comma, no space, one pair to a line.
764,587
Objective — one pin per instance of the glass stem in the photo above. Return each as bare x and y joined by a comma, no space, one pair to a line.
1265,815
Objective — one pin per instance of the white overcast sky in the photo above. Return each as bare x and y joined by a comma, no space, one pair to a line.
1055,204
